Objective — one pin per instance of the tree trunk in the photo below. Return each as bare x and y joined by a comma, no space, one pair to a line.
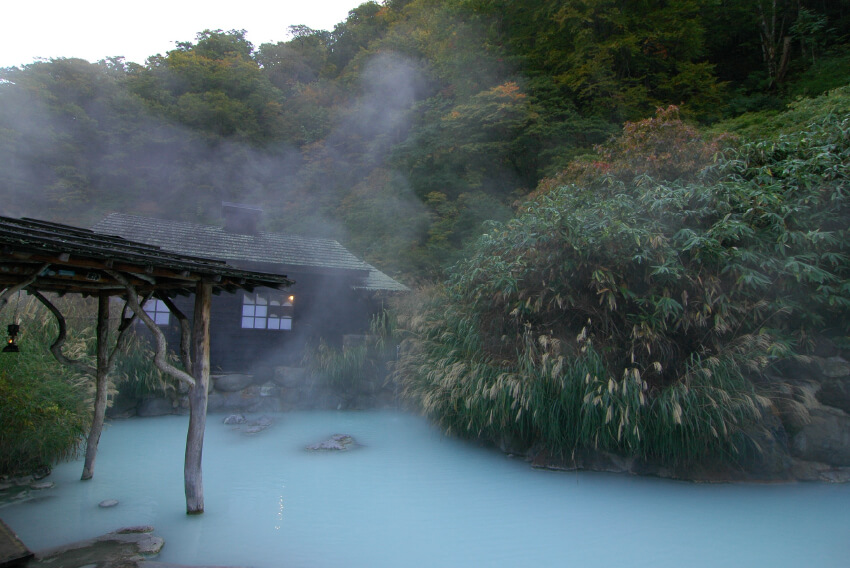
192,474
102,382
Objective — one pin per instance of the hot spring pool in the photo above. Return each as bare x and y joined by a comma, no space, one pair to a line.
411,497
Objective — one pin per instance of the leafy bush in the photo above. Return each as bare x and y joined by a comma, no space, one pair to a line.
664,147
799,114
630,316
44,406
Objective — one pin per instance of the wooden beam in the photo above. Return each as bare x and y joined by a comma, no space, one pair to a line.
112,264
27,280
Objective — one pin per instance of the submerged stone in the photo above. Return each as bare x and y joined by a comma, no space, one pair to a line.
259,425
236,419
107,503
337,442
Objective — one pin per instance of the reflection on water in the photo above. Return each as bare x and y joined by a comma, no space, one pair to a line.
411,497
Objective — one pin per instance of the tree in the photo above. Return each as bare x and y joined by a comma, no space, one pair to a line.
616,61
214,86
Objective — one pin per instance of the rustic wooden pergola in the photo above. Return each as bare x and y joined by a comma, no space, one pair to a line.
41,257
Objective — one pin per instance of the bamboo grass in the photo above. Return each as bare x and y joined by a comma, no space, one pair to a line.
637,318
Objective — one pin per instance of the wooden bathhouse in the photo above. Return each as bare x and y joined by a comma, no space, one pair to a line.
335,294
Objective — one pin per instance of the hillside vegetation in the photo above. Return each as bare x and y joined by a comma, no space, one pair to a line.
408,124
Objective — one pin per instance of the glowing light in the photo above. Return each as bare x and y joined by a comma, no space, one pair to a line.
11,345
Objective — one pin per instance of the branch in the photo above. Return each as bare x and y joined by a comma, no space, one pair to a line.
185,331
56,348
120,342
8,292
159,359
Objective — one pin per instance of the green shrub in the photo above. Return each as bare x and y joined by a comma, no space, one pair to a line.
45,407
799,114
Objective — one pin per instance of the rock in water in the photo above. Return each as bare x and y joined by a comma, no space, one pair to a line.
235,419
259,425
337,442
107,503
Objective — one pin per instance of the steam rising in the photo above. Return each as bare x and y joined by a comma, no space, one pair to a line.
77,145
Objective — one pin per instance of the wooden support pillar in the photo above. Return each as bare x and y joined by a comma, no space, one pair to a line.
102,385
192,473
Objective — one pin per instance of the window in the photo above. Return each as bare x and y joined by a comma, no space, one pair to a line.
264,310
158,311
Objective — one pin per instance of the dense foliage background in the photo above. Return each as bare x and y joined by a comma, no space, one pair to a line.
404,127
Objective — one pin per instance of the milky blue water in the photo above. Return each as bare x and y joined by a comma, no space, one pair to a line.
411,497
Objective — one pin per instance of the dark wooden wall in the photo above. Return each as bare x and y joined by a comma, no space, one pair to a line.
325,307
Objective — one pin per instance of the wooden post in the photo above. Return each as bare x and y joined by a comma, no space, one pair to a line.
102,385
192,474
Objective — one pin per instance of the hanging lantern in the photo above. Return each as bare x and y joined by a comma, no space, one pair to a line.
11,345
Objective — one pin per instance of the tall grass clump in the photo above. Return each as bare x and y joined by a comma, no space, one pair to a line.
135,375
347,366
633,315
45,407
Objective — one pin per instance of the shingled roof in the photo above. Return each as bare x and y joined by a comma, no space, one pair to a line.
291,252
71,259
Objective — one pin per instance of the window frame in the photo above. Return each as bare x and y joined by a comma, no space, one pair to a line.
266,310
157,311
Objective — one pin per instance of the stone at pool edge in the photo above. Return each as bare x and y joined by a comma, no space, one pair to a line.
336,443
128,547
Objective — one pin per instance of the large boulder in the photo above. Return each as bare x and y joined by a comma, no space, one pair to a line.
233,382
154,406
215,402
833,367
825,439
269,389
289,377
835,392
